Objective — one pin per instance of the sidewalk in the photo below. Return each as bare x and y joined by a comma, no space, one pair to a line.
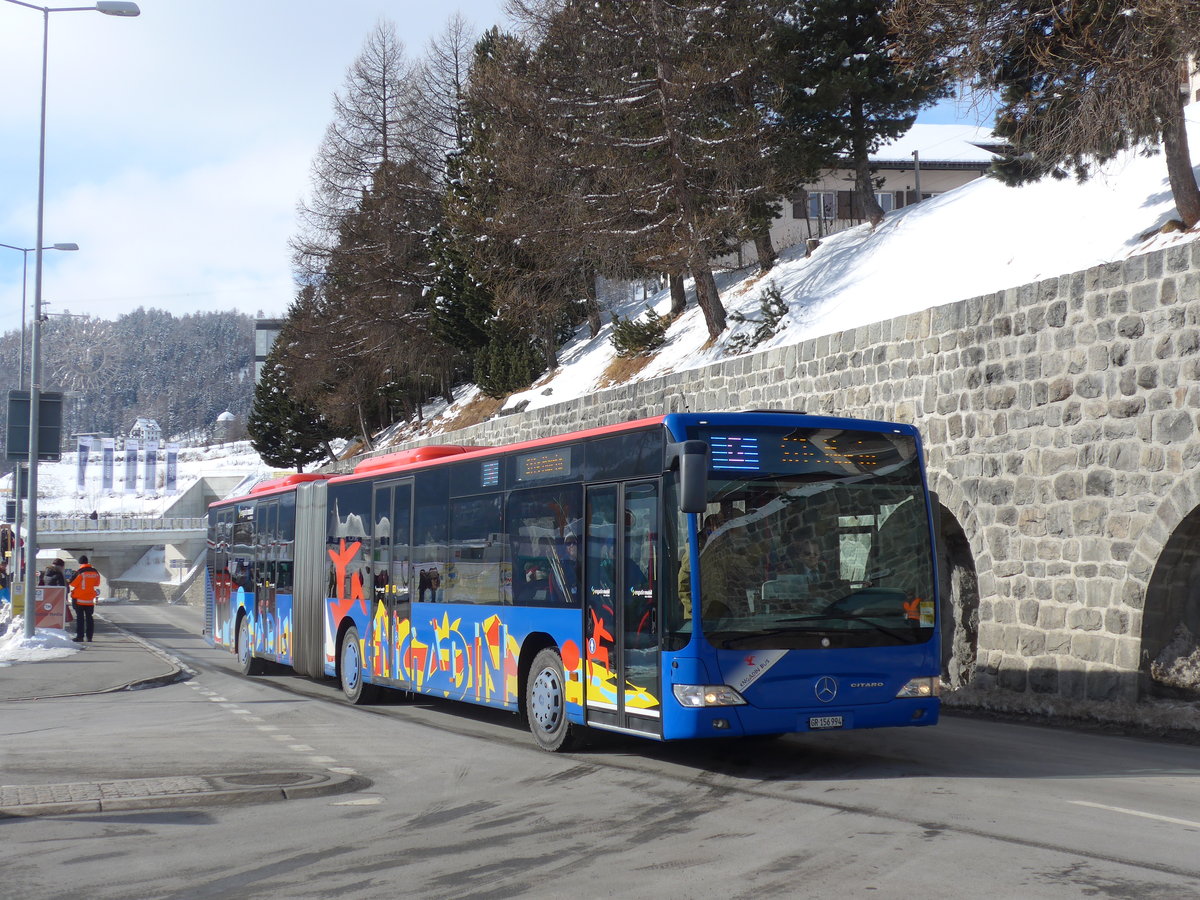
115,660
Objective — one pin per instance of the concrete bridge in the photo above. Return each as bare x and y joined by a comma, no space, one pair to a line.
115,543
1062,428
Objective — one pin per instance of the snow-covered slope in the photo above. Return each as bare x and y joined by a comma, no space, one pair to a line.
974,240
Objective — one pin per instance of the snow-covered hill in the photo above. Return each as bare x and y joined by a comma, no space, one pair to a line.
59,494
977,239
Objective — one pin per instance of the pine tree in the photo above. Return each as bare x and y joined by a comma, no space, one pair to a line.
284,432
1078,82
844,84
650,105
504,211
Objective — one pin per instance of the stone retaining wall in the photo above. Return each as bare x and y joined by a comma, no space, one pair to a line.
1061,425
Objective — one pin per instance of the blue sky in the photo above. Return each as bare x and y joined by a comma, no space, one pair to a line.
179,143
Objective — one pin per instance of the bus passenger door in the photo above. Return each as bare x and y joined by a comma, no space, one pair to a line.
390,577
265,617
622,679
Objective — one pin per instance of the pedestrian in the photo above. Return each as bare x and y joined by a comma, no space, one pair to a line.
85,587
5,582
55,574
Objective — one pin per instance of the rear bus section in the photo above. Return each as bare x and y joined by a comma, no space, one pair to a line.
262,552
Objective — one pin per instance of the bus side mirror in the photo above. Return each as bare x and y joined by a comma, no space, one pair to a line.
693,474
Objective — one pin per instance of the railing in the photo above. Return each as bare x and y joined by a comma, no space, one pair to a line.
119,523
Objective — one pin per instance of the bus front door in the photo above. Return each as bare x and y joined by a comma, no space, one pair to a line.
622,679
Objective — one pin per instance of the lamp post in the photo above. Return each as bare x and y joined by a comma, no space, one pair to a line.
108,8
24,251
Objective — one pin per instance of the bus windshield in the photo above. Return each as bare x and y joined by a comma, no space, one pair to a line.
813,538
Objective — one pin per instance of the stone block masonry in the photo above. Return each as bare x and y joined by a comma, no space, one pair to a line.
1061,422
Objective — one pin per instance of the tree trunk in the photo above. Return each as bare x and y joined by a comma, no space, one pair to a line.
863,186
678,294
707,296
591,303
709,299
764,247
549,344
364,432
1179,166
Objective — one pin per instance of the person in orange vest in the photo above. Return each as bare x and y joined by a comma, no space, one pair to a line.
85,587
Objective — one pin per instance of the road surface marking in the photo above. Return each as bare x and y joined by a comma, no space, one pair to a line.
1133,812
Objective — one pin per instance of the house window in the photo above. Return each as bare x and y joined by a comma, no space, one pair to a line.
822,205
886,200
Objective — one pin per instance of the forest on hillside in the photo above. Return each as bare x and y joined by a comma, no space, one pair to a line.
181,371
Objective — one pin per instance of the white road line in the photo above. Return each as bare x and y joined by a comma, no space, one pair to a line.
302,748
1133,812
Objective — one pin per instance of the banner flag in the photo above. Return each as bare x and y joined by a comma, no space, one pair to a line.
108,459
85,448
132,445
172,468
150,473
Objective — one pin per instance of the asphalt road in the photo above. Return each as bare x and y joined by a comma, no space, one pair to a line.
461,804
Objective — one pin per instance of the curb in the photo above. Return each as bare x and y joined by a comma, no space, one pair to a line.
24,801
180,670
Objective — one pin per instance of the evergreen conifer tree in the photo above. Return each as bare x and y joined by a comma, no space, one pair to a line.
283,431
1077,81
845,83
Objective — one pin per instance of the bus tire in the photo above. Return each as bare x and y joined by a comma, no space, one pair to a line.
546,704
350,674
247,661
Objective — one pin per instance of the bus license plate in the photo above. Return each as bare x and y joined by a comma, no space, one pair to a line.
815,722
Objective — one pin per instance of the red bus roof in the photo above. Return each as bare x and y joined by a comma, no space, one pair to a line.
409,457
420,457
394,462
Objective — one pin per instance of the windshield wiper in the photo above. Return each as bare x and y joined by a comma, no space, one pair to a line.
730,643
907,638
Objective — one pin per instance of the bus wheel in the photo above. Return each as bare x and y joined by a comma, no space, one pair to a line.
546,704
249,663
350,672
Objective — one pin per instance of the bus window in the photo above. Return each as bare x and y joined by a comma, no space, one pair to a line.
476,550
349,515
542,526
641,552
429,550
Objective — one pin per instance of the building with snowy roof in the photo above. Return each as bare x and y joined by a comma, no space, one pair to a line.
926,161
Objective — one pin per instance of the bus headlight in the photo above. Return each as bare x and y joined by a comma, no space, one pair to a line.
922,687
696,696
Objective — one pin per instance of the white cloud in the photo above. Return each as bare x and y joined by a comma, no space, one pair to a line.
178,144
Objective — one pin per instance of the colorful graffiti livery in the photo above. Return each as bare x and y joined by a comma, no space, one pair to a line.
685,576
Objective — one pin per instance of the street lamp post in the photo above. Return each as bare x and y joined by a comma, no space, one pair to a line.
24,251
108,8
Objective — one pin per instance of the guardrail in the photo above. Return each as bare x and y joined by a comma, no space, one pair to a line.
120,523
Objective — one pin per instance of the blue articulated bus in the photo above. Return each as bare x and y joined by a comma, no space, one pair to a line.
686,576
